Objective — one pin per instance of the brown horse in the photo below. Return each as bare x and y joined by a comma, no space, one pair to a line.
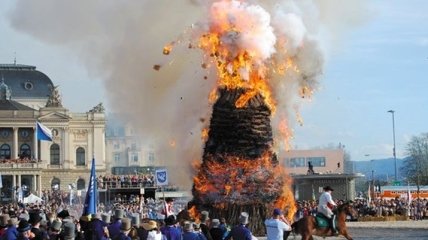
307,225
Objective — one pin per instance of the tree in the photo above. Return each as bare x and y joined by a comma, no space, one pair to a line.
415,166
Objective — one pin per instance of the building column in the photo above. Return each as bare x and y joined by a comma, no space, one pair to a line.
13,180
34,184
19,180
35,145
15,143
39,185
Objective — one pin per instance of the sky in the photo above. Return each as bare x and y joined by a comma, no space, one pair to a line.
380,63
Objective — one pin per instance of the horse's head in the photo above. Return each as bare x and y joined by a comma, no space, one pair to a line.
348,209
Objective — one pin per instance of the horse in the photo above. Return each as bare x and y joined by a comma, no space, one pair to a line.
307,226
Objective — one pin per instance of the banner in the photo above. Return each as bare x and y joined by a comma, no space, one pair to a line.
43,132
90,206
161,177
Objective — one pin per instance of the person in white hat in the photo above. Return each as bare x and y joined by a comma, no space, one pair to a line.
325,206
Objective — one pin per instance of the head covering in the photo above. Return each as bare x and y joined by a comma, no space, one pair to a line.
150,225
96,216
277,212
68,230
243,219
215,223
188,226
4,218
126,224
135,219
13,221
119,213
63,214
105,217
204,216
23,226
328,188
170,220
56,225
34,218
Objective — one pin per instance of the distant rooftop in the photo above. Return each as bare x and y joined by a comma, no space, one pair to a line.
16,67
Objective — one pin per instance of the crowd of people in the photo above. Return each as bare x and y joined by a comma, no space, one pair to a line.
151,219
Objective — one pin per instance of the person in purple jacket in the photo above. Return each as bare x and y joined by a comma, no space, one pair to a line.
240,232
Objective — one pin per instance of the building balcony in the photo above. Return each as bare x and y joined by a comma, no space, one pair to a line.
21,163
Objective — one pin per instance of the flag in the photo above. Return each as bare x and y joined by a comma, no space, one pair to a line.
90,206
369,194
161,177
43,132
409,196
313,193
1,181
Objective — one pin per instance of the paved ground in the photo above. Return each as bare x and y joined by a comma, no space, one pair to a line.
399,230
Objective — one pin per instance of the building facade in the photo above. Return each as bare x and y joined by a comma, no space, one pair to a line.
125,151
324,161
28,96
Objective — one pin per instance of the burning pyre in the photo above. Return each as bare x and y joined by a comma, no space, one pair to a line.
239,169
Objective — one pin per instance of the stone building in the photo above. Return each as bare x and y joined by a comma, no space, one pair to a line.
28,96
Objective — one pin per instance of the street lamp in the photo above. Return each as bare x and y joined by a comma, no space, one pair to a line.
393,137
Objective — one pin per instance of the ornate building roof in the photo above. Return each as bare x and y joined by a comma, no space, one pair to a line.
25,81
6,103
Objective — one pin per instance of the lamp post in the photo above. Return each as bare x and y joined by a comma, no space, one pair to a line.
393,137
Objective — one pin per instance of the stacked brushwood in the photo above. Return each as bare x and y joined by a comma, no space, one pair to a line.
245,133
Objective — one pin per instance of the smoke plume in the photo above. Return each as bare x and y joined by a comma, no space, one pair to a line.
121,42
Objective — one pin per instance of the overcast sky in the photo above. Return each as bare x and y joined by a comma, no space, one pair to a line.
380,65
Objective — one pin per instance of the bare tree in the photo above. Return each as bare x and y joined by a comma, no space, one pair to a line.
416,164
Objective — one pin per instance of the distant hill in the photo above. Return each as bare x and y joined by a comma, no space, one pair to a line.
383,168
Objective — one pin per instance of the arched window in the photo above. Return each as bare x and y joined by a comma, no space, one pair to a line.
56,184
80,184
80,156
5,151
54,154
25,151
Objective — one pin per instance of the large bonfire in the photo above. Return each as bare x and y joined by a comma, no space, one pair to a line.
240,170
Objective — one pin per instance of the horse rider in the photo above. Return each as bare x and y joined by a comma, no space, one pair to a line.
326,205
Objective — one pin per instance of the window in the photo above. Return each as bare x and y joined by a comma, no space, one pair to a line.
151,157
80,184
25,151
80,156
134,157
317,161
56,184
116,146
133,146
297,162
54,154
5,151
117,157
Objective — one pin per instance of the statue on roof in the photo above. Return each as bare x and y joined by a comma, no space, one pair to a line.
98,109
54,99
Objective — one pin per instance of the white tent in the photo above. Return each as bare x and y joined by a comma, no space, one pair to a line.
32,199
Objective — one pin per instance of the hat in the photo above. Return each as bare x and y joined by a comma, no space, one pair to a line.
170,220
13,221
105,217
277,212
328,188
135,219
215,223
204,216
243,219
4,218
119,213
56,225
188,226
68,230
23,226
63,214
150,225
126,224
96,216
34,218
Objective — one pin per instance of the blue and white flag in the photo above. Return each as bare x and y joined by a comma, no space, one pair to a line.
43,132
161,177
90,206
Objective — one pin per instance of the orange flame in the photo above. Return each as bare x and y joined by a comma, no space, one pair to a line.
204,134
286,133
